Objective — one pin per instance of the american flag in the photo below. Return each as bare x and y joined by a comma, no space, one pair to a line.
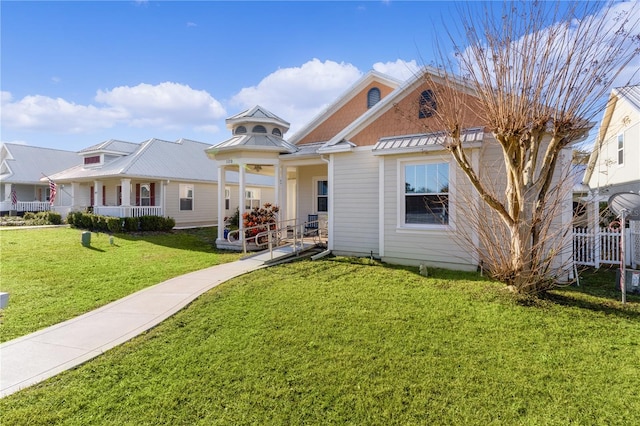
52,191
14,196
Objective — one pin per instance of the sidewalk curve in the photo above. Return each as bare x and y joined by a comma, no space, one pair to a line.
33,358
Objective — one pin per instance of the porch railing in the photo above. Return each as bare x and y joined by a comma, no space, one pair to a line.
128,211
26,206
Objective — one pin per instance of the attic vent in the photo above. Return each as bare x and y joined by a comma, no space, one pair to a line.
240,130
276,132
259,129
373,97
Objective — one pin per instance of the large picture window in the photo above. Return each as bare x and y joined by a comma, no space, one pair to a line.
186,196
426,194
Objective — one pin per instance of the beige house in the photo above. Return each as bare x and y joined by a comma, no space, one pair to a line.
383,187
614,165
21,169
155,177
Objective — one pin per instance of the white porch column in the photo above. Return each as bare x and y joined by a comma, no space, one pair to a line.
221,208
75,195
97,193
126,192
278,187
7,192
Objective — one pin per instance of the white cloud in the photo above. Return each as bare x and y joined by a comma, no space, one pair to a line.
400,69
297,94
164,106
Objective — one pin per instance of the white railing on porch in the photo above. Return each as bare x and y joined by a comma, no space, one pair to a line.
26,206
128,211
602,247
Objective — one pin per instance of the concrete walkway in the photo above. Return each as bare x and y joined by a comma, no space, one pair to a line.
30,359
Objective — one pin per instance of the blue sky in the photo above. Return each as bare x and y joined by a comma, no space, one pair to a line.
76,73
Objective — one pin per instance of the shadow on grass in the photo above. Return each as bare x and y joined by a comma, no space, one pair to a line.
196,239
93,248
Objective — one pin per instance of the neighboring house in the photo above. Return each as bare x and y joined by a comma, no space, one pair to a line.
614,165
384,187
155,177
21,169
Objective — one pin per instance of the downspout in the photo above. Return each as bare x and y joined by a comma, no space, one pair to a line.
331,193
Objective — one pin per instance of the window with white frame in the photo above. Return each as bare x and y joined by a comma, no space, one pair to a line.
322,195
227,198
186,196
620,149
145,194
426,194
252,198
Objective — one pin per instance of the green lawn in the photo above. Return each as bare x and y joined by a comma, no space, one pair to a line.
51,277
336,342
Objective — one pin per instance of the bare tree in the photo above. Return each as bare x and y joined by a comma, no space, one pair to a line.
540,73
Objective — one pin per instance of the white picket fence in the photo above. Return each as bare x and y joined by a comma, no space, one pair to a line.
603,246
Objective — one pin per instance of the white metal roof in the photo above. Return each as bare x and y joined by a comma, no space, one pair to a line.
26,164
254,140
113,146
184,160
423,140
257,114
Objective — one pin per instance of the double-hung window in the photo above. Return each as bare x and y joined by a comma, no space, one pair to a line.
426,194
252,199
322,196
620,149
186,196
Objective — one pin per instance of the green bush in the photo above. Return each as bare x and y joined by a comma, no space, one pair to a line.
29,216
114,224
54,218
131,224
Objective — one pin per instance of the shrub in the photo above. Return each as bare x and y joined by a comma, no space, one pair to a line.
54,218
29,216
168,224
114,224
130,224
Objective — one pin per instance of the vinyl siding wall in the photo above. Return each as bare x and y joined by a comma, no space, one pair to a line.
356,213
607,172
205,204
445,247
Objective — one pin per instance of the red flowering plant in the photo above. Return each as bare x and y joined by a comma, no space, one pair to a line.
266,216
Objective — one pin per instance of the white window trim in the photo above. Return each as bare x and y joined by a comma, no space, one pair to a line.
193,197
250,197
317,179
402,227
618,149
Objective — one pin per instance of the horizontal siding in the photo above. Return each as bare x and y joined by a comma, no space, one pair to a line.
443,248
356,203
205,204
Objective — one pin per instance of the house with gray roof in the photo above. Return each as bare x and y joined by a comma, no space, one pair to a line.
155,177
21,169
